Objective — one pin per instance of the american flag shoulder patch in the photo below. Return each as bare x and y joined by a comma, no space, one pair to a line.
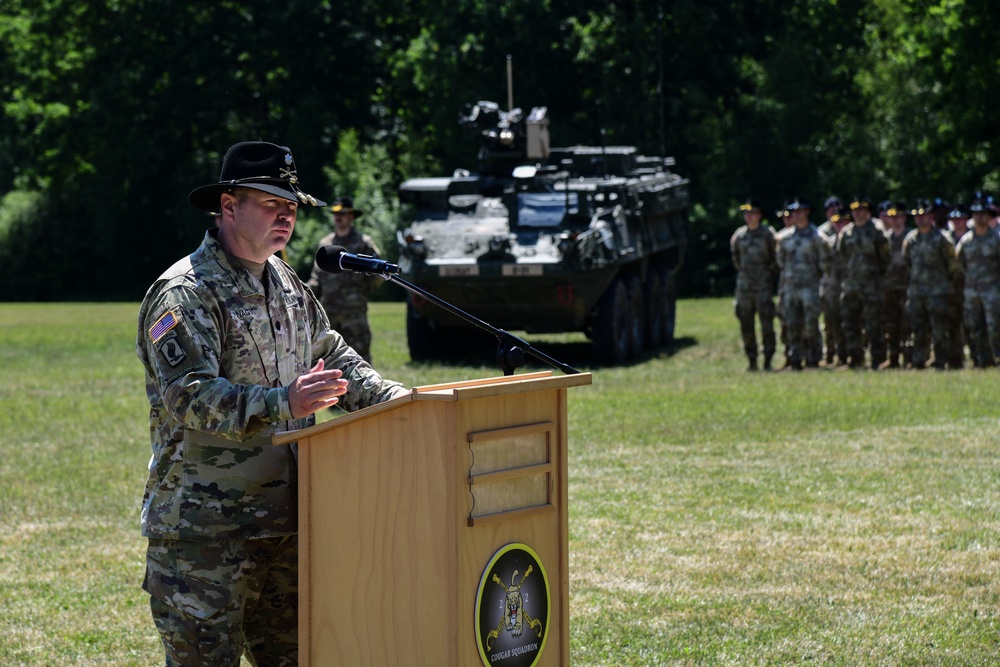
166,322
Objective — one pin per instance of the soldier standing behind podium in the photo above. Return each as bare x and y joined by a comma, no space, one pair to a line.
234,348
753,249
864,251
930,258
802,256
978,254
345,295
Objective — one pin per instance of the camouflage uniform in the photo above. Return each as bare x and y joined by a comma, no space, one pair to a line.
345,295
753,254
219,350
895,322
829,294
802,256
979,257
930,258
864,250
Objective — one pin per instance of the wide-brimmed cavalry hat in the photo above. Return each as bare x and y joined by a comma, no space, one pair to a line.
751,204
346,205
258,165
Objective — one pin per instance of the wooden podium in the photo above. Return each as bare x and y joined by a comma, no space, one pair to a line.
404,506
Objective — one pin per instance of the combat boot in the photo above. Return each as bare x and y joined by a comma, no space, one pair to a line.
752,365
767,362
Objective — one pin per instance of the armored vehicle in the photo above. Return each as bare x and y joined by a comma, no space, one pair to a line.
545,240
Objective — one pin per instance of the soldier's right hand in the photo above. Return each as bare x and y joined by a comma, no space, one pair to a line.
315,390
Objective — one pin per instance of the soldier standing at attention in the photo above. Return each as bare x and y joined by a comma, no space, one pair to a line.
979,256
753,249
234,347
958,223
345,295
864,250
894,283
802,257
930,258
829,290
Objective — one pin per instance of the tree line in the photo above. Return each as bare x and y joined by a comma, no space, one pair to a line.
113,111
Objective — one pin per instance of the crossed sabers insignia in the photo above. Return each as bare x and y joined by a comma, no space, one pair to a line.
533,623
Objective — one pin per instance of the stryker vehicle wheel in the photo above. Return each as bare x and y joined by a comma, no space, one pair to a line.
637,325
418,336
670,304
655,306
612,328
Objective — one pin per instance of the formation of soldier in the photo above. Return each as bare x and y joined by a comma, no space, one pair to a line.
889,295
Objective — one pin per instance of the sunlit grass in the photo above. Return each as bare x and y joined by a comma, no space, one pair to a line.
717,517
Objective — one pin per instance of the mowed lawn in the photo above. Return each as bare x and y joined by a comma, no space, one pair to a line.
717,517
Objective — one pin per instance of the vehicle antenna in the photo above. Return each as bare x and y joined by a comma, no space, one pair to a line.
510,84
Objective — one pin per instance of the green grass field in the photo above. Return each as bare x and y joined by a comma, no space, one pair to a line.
716,517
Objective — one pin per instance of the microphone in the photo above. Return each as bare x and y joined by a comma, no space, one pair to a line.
334,259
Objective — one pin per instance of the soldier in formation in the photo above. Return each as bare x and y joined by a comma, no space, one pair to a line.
930,257
833,333
978,254
754,249
863,249
894,283
802,258
890,296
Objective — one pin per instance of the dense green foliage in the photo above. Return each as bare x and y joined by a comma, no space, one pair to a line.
113,111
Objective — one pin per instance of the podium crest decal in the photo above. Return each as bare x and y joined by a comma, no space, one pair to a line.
512,608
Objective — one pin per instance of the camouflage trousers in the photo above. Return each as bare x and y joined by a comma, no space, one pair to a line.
751,306
982,325
211,601
862,314
833,331
353,326
801,309
956,334
930,322
896,325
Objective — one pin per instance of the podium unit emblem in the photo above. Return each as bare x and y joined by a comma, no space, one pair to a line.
512,608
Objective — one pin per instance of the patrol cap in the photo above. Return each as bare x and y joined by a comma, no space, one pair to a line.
751,204
940,203
798,203
346,205
921,207
842,215
861,202
958,211
896,208
832,201
258,165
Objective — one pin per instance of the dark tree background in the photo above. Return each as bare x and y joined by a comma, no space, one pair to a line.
113,111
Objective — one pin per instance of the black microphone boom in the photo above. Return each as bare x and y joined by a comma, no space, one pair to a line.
335,258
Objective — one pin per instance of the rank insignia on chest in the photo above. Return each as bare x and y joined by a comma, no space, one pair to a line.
167,321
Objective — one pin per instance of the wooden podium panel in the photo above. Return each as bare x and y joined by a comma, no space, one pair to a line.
403,505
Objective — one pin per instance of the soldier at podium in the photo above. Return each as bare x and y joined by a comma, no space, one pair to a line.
234,348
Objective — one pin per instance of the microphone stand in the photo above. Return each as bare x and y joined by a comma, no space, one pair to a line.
511,349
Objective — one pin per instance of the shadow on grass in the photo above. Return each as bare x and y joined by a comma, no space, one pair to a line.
481,349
